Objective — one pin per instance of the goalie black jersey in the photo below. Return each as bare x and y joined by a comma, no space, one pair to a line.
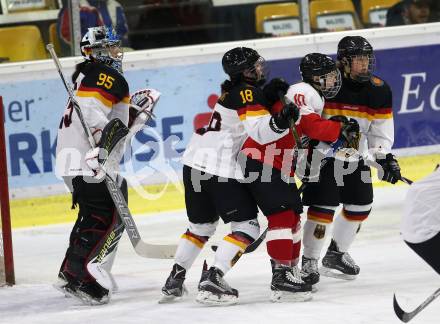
240,112
102,94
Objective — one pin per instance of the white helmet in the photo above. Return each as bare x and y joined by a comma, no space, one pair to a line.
103,45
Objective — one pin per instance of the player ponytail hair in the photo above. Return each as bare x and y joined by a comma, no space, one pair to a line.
79,68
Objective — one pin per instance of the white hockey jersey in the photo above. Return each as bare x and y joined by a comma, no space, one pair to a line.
239,113
102,95
421,214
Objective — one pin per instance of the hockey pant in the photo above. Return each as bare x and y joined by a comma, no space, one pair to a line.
96,233
428,251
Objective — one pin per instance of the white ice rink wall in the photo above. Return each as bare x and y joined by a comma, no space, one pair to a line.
408,58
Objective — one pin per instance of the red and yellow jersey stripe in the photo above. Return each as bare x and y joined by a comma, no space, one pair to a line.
252,111
106,98
333,108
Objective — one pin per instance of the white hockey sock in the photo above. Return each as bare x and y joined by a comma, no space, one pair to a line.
188,249
316,229
347,225
315,234
229,251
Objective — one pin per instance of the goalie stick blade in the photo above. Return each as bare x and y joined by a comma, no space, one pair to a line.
155,251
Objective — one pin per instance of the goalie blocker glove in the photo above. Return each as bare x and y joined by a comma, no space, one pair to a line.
109,147
390,168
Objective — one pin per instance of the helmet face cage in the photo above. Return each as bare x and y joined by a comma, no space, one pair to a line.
361,66
320,71
258,72
102,45
330,83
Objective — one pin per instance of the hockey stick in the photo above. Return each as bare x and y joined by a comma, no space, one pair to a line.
407,316
156,251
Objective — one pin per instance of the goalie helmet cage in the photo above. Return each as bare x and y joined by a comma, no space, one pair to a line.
6,258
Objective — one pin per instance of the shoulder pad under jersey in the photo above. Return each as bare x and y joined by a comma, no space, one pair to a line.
105,79
243,95
376,81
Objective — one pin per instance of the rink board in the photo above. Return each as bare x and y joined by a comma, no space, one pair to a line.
34,98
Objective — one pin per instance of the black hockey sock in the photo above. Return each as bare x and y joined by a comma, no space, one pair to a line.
428,251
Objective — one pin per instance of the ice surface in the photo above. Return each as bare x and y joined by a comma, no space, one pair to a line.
387,266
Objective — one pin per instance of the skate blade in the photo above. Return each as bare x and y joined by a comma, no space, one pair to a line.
314,289
60,285
165,299
210,299
90,301
333,273
283,296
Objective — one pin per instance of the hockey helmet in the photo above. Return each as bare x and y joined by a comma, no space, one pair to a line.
244,62
103,45
320,71
356,56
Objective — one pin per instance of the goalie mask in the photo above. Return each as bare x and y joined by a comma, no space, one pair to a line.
320,71
356,57
245,63
102,45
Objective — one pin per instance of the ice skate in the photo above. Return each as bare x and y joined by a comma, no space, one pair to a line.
287,285
91,293
61,284
310,272
174,288
214,290
338,264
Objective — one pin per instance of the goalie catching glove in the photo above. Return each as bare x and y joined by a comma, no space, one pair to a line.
142,103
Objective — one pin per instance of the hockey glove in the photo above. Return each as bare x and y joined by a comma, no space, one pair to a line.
111,144
350,133
142,103
285,118
390,168
274,89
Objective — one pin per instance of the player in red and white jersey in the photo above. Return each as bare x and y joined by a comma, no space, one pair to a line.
278,198
420,226
210,174
368,100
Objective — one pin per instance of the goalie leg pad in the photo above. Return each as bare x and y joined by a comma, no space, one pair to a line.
96,232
